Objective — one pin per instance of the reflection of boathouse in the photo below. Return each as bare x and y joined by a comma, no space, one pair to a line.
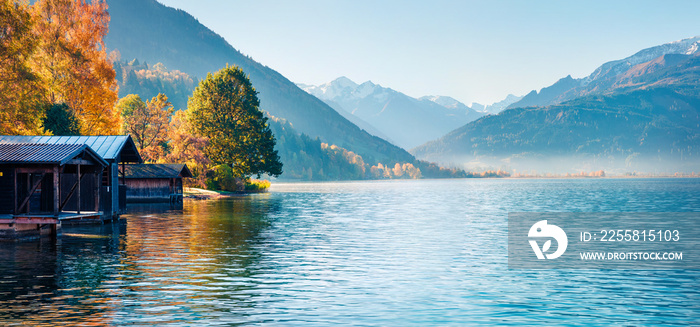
155,182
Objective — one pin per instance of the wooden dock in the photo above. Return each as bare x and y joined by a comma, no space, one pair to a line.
49,218
20,226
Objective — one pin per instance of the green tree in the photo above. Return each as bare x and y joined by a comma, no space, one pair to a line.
224,109
60,120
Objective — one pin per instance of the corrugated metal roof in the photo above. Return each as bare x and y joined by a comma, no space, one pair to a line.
42,153
157,171
108,147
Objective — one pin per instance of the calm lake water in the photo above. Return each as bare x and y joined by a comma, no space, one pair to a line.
389,253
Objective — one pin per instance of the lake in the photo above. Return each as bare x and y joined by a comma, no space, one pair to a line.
388,253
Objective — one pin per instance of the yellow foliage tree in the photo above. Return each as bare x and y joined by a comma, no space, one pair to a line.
20,88
397,170
412,171
147,123
186,146
72,61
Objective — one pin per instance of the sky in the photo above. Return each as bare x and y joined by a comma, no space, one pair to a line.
473,51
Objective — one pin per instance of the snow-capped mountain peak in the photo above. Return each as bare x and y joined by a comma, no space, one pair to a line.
405,120
686,46
445,101
340,82
342,88
365,89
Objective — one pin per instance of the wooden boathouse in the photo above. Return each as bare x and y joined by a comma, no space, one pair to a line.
155,182
115,150
42,185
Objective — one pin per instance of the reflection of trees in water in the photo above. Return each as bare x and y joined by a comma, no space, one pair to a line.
200,261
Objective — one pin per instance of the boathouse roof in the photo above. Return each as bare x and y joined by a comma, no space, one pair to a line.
108,147
52,154
156,171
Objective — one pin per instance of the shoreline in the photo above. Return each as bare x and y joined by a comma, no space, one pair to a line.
202,194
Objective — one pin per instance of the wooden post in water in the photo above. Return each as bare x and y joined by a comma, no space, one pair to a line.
56,192
79,182
28,200
96,189
16,192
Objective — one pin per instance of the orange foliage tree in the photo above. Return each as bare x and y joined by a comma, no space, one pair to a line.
147,123
73,63
187,147
20,88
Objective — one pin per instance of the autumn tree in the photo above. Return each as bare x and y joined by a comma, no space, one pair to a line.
224,109
21,108
72,61
397,170
412,171
147,123
187,147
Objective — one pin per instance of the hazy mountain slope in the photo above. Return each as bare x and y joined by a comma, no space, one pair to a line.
447,102
496,107
657,126
652,120
152,32
405,120
607,77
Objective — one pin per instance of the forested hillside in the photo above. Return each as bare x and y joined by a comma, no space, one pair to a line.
147,81
643,129
152,32
641,116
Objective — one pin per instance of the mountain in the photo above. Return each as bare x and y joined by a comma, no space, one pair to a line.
649,120
490,109
609,76
447,102
152,33
496,107
404,120
147,82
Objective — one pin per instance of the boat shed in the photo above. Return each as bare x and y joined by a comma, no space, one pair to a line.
155,182
115,150
44,184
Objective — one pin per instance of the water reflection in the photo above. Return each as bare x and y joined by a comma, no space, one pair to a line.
48,280
366,253
155,265
199,263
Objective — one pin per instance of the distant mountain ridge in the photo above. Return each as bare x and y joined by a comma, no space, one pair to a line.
607,77
646,118
152,32
404,120
496,107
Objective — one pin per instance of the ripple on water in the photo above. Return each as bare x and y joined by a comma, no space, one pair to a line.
362,253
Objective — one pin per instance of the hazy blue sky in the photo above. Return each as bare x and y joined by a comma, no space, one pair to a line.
471,50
